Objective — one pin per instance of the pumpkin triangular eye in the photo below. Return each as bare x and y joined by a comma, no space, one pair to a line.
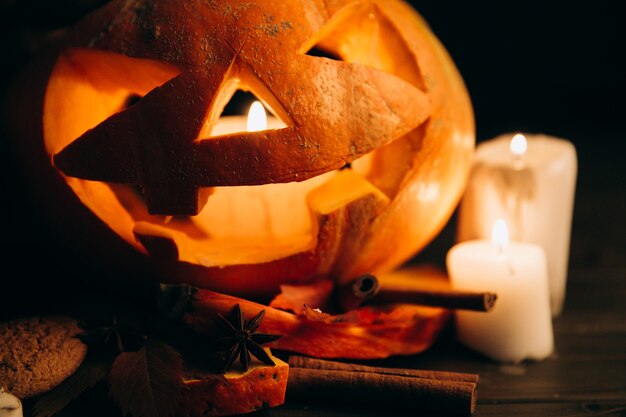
321,52
239,103
234,99
361,33
260,117
131,100
97,84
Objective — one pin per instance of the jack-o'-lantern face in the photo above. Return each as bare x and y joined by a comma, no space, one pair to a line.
267,206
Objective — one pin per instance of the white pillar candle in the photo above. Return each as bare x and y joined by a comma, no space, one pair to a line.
520,325
531,186
10,405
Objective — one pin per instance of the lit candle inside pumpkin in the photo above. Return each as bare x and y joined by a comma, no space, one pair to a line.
529,181
520,325
518,148
256,120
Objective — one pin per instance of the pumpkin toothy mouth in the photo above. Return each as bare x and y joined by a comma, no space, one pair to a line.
242,221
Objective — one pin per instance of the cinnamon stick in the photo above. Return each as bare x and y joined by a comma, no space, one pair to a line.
460,300
367,389
367,289
296,361
359,291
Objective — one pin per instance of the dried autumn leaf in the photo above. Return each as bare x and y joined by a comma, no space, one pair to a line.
312,301
148,382
371,332
294,297
315,314
86,376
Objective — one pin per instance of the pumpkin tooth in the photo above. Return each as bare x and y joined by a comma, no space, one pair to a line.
341,208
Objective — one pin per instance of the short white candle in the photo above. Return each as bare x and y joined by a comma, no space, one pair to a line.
520,325
10,405
528,181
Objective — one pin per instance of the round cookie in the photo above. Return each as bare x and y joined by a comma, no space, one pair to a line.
37,354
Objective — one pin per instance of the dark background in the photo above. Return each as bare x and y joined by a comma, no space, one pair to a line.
540,66
552,66
549,66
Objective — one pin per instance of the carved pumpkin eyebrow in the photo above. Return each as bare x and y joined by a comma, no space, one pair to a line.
152,144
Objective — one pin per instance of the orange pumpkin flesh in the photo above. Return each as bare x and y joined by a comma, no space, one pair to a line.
259,387
396,108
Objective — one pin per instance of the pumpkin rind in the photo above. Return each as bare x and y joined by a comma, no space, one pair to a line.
338,110
414,165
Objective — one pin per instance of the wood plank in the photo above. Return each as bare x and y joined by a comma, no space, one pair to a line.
542,409
563,409
591,341
586,376
574,377
589,363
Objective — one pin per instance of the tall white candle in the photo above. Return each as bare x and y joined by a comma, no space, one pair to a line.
520,325
530,185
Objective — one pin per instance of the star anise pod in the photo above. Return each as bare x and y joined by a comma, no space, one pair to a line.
243,339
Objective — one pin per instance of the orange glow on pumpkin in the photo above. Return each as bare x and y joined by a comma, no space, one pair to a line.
267,206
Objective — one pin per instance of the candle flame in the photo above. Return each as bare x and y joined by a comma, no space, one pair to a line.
257,119
500,234
519,144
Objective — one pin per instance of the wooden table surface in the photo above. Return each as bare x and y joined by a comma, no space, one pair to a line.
573,84
586,374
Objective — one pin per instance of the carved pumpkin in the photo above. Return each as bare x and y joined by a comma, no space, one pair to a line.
244,212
